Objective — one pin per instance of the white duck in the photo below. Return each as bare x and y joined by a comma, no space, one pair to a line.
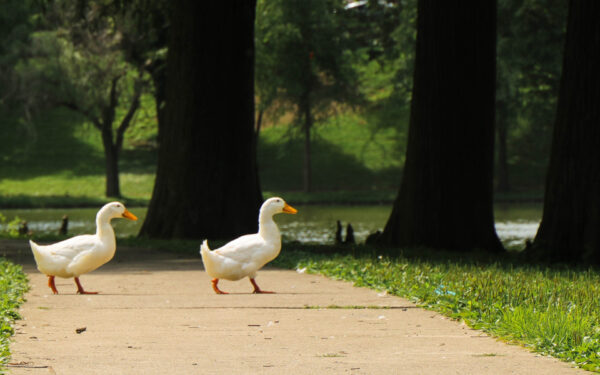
247,254
81,254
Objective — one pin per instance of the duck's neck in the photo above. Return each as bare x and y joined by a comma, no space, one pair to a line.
104,230
267,227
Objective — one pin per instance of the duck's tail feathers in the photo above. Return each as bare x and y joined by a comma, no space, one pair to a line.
204,249
207,257
36,250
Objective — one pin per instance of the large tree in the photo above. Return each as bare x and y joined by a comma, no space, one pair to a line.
303,61
76,60
206,182
445,198
571,220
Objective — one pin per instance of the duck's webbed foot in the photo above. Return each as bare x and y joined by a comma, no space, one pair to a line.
80,288
257,289
51,284
216,288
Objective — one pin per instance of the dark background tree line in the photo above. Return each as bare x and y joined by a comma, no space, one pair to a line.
469,77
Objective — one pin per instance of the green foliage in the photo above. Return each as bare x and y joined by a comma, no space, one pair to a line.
74,60
552,310
11,228
302,55
13,285
16,24
384,59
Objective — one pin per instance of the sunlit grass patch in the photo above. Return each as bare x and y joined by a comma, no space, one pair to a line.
13,285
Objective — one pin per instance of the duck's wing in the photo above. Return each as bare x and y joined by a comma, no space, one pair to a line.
242,249
73,248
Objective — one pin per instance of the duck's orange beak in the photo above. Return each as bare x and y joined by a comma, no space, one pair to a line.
289,209
129,215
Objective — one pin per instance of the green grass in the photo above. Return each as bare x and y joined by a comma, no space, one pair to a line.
554,311
13,285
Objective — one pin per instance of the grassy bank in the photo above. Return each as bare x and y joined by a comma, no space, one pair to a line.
553,311
348,155
58,161
13,285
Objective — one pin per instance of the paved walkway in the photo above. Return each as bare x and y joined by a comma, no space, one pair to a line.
157,314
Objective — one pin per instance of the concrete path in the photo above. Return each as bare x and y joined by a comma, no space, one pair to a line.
157,314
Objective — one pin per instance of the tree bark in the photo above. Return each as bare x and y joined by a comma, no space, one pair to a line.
206,183
445,198
569,230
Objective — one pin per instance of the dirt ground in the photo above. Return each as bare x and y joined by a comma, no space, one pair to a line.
157,314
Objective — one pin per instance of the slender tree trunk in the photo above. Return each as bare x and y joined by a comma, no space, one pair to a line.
445,199
259,119
569,230
111,157
206,183
112,148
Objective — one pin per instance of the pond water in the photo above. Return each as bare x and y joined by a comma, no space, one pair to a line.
515,223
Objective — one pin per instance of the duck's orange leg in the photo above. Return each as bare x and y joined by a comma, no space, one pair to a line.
80,288
51,284
257,289
216,288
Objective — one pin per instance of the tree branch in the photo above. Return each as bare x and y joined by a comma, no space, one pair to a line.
74,107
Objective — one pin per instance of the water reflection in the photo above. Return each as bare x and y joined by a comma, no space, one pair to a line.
514,233
313,224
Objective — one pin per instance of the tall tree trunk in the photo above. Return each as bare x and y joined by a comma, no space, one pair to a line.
571,220
445,198
206,182
111,157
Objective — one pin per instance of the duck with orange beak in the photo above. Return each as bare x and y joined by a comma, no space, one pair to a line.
245,255
81,254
